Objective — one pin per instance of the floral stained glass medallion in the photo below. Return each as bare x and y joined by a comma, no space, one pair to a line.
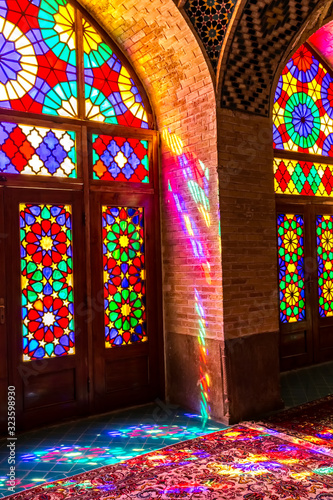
324,228
25,149
47,281
124,275
38,57
111,94
120,159
290,228
303,108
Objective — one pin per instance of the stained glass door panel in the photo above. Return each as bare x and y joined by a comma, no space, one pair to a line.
294,286
305,270
46,289
126,362
323,320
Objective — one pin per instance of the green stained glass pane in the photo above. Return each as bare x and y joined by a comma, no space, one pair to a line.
124,275
291,267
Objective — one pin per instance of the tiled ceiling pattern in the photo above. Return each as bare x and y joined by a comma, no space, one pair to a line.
210,18
264,31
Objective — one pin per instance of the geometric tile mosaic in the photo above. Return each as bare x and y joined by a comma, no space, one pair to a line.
210,19
264,32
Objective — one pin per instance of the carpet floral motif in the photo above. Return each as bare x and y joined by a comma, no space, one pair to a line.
238,463
312,422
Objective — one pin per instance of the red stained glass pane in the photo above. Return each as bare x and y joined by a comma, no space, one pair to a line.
47,281
120,159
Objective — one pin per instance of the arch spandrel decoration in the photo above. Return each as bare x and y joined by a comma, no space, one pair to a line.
39,71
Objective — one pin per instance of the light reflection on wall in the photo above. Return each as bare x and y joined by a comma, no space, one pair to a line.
203,353
196,176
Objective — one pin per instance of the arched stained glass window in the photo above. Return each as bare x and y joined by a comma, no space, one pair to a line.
303,165
303,123
40,50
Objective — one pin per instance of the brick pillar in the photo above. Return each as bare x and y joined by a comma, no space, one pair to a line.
249,264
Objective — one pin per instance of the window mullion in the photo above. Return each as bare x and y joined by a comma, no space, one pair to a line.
80,64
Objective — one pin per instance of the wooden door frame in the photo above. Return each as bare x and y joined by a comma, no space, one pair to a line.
310,206
320,355
21,372
304,358
153,347
3,334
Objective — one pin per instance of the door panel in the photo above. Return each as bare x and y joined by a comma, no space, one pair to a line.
305,263
125,326
3,315
294,267
322,221
48,364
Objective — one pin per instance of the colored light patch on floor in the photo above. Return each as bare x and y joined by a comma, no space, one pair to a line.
161,432
236,463
311,422
80,446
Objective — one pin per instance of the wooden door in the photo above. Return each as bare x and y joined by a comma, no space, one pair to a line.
295,270
322,255
45,282
305,265
3,337
128,368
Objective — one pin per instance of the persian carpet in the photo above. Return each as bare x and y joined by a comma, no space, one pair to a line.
237,463
312,422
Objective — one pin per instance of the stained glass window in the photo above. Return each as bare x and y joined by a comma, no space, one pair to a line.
303,177
25,149
290,229
38,66
111,94
120,159
303,108
38,57
47,281
324,227
124,275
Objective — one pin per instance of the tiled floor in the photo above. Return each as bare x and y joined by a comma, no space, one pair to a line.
61,451
64,450
306,384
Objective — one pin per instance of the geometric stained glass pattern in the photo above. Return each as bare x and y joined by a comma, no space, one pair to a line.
303,178
290,229
26,149
38,57
111,94
120,159
324,230
124,275
47,281
303,109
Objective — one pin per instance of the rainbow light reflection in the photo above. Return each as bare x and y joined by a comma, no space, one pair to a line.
197,177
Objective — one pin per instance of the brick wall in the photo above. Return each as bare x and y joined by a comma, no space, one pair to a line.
248,224
167,58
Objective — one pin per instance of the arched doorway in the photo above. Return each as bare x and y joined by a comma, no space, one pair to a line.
303,167
80,262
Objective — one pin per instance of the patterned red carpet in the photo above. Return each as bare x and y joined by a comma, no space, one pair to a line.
238,463
312,422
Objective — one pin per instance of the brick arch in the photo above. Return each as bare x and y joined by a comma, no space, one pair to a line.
265,31
168,59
